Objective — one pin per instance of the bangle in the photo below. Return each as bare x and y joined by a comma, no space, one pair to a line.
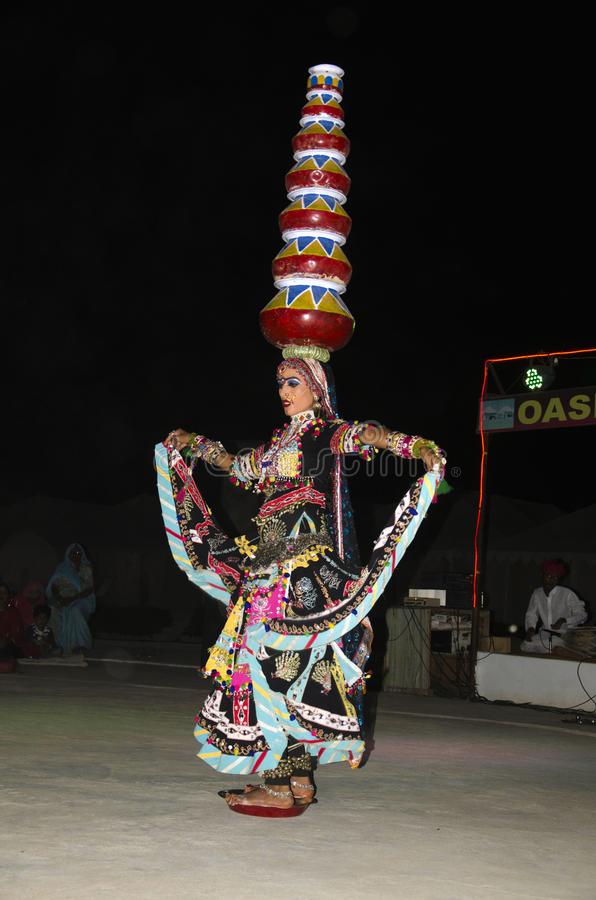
409,446
215,449
195,444
401,444
422,444
188,451
202,448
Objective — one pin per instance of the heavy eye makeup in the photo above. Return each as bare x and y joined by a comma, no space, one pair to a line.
291,382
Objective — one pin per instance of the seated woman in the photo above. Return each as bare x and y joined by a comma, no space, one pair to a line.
11,628
32,595
71,595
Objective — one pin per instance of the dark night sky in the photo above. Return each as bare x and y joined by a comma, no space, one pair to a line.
143,177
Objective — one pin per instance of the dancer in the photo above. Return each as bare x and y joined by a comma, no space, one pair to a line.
288,665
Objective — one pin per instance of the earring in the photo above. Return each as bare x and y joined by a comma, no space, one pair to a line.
316,408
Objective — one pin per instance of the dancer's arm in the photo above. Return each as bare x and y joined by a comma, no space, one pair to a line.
404,445
201,447
361,437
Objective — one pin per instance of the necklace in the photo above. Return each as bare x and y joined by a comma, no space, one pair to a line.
282,461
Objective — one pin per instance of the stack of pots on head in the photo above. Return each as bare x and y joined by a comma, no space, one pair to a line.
307,317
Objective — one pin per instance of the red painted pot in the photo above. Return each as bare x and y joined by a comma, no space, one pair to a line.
305,326
318,179
315,107
317,266
312,218
321,140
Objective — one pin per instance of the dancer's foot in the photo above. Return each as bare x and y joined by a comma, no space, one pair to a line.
301,786
245,790
302,789
279,796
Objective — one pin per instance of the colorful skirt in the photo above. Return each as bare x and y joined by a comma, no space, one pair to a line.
286,667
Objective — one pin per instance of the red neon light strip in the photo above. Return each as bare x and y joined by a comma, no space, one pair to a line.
483,445
536,355
481,493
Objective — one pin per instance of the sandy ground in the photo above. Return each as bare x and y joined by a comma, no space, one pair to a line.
102,796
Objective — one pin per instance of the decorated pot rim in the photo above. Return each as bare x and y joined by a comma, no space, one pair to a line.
321,117
310,281
328,68
337,155
324,89
292,233
295,193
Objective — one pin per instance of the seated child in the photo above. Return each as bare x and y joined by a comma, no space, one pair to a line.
39,636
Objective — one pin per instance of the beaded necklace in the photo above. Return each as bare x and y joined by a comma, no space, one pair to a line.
284,457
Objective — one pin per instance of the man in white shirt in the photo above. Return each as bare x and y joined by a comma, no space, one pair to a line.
556,607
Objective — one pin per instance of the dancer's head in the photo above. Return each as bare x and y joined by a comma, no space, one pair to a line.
303,384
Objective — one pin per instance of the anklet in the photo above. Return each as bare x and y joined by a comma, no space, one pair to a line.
273,793
304,787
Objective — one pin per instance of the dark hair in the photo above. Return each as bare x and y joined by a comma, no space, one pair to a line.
42,609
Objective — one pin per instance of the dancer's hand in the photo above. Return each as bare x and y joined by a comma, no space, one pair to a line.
178,439
430,459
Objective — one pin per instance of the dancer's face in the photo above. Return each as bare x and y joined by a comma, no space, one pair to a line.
295,394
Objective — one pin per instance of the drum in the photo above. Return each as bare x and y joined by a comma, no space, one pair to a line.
581,640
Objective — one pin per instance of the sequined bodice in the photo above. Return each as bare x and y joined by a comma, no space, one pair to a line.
296,473
283,459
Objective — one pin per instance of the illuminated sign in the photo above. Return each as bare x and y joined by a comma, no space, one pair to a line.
544,409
